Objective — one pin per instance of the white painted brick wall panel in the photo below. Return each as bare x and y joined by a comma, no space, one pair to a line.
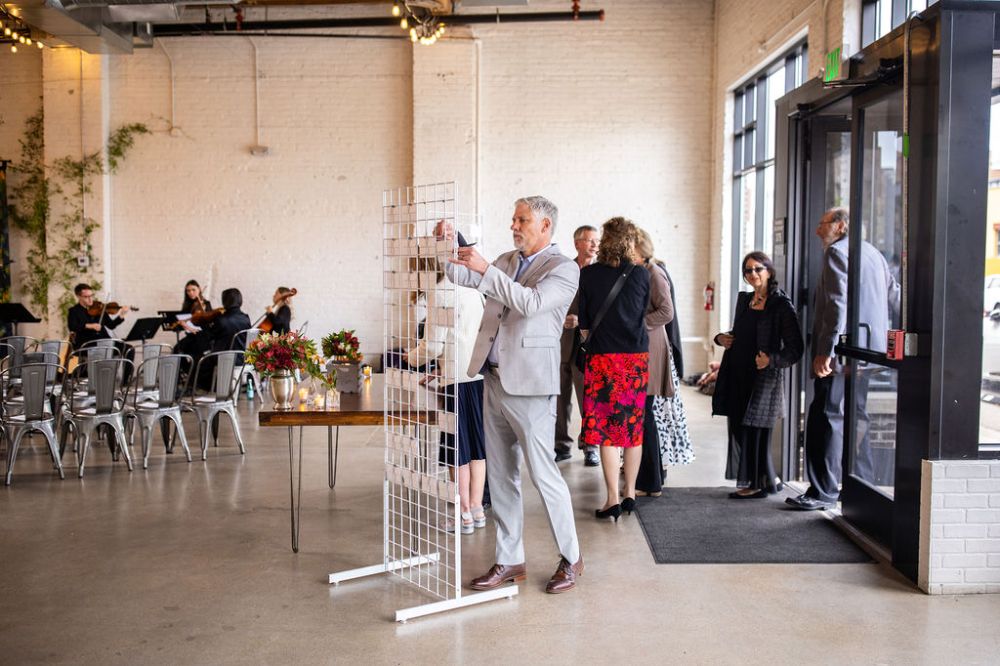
982,575
982,546
964,501
947,546
964,531
978,486
944,486
945,575
994,531
966,471
988,516
964,561
993,560
947,516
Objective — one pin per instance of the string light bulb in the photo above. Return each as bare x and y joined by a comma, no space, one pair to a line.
13,48
38,44
6,32
413,34
27,41
404,24
395,9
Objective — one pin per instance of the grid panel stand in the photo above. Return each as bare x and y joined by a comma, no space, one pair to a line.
421,508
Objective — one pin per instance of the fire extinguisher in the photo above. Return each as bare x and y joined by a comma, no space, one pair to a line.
710,296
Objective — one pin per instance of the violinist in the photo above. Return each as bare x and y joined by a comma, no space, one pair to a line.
196,342
279,313
85,326
222,328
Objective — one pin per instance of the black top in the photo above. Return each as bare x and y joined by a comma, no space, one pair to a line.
222,329
281,320
77,320
623,329
188,307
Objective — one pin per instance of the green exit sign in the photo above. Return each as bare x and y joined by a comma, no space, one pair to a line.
832,70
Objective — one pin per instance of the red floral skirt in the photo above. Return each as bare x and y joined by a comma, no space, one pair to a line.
614,399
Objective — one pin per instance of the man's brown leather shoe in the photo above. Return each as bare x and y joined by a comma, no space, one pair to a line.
564,579
498,575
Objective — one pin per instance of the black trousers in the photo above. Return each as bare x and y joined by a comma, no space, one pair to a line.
650,476
825,436
570,379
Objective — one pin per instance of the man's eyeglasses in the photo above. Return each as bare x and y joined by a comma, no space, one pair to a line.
750,270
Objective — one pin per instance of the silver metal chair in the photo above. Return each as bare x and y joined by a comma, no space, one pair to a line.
167,370
219,399
34,415
107,387
19,344
247,372
14,398
146,377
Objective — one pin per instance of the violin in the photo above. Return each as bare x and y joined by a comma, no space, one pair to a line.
264,324
203,317
98,308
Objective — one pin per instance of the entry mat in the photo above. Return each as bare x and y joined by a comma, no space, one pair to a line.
704,526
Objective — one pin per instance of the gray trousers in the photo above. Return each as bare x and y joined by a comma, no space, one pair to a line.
521,427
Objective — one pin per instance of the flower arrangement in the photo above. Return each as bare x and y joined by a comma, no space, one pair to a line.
271,353
342,345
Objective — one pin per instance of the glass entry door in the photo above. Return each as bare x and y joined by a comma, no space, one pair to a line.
876,239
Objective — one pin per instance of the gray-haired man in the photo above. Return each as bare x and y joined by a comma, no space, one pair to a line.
528,291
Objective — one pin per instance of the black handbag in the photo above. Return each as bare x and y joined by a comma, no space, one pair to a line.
581,352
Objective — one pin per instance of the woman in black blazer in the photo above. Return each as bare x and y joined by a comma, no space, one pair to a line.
765,339
279,313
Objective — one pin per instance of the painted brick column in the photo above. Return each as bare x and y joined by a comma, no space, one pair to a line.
960,527
75,100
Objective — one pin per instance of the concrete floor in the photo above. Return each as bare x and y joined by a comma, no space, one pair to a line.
190,563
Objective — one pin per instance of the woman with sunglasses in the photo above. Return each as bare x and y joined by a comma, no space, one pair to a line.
765,339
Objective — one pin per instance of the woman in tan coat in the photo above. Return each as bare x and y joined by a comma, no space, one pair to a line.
659,313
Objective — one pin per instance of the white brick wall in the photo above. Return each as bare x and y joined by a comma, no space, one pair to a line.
960,527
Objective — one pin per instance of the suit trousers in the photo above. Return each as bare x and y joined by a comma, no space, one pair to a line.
825,435
570,379
521,427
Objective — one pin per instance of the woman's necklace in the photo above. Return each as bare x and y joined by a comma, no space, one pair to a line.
757,303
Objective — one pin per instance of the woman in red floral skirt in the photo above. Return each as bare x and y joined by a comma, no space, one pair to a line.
616,370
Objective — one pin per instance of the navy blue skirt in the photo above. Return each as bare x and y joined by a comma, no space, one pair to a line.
471,441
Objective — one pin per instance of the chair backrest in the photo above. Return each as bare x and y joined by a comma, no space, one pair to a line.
34,388
60,347
99,342
19,343
225,382
105,382
242,340
50,358
168,369
147,371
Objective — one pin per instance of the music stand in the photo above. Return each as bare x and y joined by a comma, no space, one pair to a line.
15,313
143,329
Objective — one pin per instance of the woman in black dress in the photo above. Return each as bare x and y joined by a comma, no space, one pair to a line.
749,391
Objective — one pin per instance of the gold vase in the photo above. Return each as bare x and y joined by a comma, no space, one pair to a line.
282,385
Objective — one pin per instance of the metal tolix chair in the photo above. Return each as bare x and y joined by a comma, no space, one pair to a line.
35,414
108,390
168,388
218,399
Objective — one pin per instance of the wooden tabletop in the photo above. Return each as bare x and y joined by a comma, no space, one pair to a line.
363,408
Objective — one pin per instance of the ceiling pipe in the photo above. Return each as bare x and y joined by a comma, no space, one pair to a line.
184,29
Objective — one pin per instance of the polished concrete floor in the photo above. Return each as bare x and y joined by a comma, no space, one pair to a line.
191,563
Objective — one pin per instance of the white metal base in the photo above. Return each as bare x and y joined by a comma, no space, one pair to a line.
350,574
506,592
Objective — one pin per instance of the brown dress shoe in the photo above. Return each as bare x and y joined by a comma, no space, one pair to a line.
498,575
564,579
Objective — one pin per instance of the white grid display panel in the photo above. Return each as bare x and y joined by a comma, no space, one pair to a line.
421,500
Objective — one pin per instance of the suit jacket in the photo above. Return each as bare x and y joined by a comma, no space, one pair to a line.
878,296
659,313
525,317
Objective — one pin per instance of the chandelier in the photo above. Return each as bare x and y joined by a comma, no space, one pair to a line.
422,24
15,32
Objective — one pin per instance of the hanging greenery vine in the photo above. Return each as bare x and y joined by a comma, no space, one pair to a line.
60,252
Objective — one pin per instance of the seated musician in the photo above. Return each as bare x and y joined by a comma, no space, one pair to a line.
221,331
196,342
86,327
279,313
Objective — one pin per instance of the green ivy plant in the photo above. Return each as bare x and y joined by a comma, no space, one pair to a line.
56,245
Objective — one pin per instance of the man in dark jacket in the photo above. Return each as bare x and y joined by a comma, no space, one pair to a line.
86,327
878,298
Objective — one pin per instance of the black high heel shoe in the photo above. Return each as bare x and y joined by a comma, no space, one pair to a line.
611,512
628,505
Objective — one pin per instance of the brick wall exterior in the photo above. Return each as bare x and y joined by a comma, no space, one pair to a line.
960,527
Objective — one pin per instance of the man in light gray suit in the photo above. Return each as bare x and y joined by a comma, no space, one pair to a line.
528,292
878,298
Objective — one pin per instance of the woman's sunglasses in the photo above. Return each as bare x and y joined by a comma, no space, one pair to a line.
749,270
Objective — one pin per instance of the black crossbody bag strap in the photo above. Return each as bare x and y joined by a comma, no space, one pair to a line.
612,295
